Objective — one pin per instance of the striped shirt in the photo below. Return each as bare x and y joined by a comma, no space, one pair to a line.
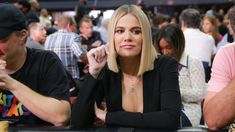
68,47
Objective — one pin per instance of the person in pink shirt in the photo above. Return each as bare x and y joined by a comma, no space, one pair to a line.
219,110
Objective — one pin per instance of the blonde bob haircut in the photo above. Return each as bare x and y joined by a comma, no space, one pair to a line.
148,53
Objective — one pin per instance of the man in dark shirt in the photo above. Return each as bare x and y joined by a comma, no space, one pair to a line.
90,39
33,83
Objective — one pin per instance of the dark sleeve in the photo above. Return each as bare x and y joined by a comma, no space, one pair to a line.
83,114
170,103
54,79
96,36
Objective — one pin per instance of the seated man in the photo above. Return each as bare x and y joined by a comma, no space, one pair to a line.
33,83
37,32
37,35
219,109
90,39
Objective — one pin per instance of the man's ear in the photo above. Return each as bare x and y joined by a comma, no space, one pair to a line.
23,35
183,26
68,27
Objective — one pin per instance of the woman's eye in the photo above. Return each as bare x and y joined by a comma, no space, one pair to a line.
119,31
136,31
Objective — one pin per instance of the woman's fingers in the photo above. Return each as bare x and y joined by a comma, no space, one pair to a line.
99,54
107,48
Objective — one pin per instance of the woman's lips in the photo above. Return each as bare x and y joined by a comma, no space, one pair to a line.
127,46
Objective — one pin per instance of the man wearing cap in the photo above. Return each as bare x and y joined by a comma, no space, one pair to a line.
33,83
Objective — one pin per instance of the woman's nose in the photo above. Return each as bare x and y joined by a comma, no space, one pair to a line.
127,35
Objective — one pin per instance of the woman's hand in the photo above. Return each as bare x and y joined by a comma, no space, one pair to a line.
97,58
101,114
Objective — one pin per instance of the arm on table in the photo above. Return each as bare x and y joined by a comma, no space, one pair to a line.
218,107
49,109
218,110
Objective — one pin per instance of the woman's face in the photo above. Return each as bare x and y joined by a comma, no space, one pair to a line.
166,48
128,36
206,26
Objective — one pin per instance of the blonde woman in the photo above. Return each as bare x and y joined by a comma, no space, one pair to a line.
209,26
140,88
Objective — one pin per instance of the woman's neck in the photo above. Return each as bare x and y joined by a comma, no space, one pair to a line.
130,65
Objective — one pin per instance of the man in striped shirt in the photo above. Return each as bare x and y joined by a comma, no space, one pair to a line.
66,44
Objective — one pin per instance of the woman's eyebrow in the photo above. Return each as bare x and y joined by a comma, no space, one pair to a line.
136,27
124,27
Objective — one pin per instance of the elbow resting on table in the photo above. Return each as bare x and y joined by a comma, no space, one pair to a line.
172,122
61,120
213,125
215,122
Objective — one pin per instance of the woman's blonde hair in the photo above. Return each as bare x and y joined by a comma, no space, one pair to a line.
148,53
214,29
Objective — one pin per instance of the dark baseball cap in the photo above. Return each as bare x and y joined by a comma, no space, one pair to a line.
11,19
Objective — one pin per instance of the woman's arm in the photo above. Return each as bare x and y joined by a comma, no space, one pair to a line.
83,111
